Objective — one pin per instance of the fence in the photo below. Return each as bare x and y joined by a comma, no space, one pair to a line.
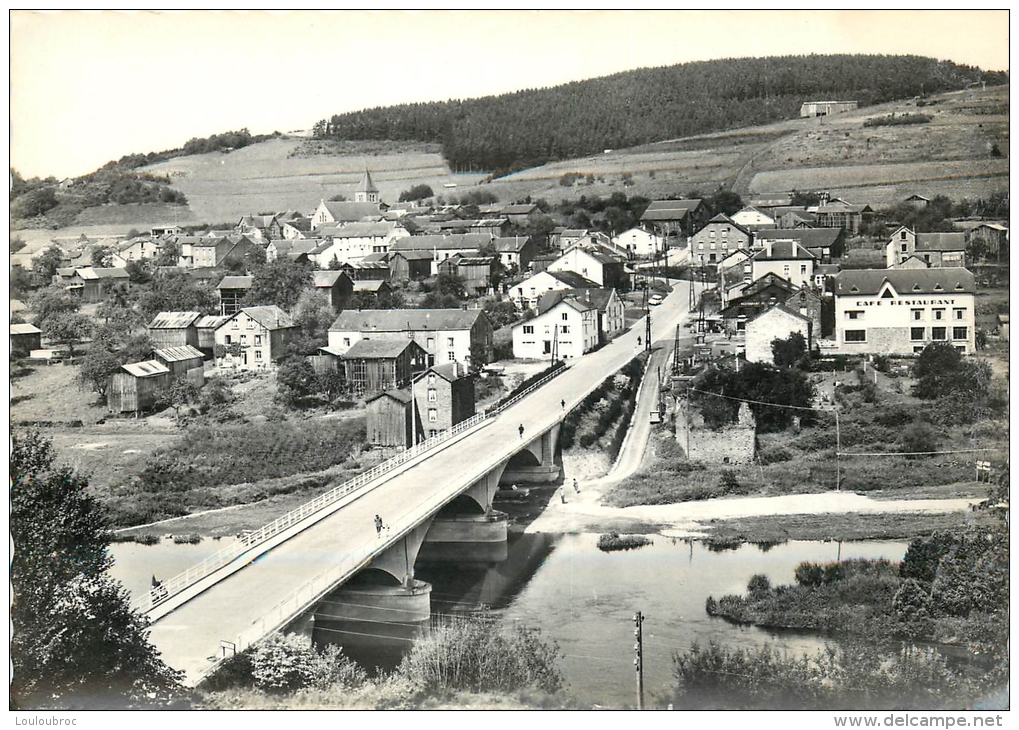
180,582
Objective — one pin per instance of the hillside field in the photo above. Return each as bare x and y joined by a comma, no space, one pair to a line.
951,155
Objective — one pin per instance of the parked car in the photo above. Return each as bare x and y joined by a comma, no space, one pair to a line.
655,299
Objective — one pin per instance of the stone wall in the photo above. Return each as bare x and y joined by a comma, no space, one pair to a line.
734,444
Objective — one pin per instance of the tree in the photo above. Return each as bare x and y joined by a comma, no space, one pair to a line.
313,314
108,353
501,313
418,192
102,258
169,254
179,393
45,265
52,301
279,282
754,382
175,292
139,272
68,329
17,243
21,282
940,371
76,642
254,258
295,379
790,351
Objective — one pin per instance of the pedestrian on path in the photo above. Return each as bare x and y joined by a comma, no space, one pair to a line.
521,430
576,487
562,495
378,526
563,403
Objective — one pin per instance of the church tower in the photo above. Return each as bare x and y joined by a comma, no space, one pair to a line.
366,191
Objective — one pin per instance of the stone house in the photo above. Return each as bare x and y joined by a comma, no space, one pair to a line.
444,397
775,323
254,338
719,238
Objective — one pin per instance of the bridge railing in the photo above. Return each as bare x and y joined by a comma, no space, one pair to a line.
182,581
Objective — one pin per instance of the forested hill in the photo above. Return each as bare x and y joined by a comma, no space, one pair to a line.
531,127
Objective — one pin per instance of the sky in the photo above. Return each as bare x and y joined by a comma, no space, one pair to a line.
89,87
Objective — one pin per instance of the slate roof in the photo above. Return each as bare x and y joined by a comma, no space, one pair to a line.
367,185
369,285
377,349
449,372
451,242
23,328
90,273
146,368
784,251
179,353
781,308
946,281
343,210
573,279
173,320
403,320
509,244
399,395
360,229
940,241
236,282
211,321
326,279
589,298
271,317
806,237
723,218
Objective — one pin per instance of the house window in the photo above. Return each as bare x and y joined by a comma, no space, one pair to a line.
431,378
785,270
244,339
452,355
939,314
856,335
528,329
250,324
227,339
959,313
449,342
902,237
432,433
258,340
565,317
346,342
960,333
236,324
433,415
803,269
854,314
712,246
917,314
916,334
904,248
939,333
258,354
700,246
433,395
565,329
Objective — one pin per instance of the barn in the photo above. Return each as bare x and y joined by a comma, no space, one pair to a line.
134,388
25,338
183,362
390,420
374,365
174,329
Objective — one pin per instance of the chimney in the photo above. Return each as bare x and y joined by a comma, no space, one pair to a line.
767,247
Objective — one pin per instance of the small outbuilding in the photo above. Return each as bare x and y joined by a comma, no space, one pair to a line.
183,362
25,338
134,387
390,421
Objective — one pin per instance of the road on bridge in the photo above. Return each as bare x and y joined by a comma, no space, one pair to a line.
190,636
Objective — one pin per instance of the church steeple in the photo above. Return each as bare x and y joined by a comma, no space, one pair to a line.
366,191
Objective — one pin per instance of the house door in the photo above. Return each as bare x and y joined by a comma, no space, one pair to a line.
244,358
547,347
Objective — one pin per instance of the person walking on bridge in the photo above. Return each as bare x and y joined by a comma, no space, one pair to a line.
520,429
378,526
576,487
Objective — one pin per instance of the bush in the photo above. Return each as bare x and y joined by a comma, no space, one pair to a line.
614,541
473,654
897,119
287,662
759,586
918,437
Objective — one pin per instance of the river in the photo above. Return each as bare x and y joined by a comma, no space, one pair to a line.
585,599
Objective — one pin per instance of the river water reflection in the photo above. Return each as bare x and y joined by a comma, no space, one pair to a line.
585,598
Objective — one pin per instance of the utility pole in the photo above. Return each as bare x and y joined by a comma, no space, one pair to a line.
638,662
838,449
647,323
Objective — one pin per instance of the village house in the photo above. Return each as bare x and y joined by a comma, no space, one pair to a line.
135,387
446,335
200,252
515,252
824,108
336,286
474,269
412,265
442,247
918,202
340,212
785,258
672,219
824,243
174,329
794,217
25,338
526,294
296,228
444,397
735,272
390,421
375,287
184,362
354,241
987,240
640,243
839,214
232,290
141,248
720,237
568,327
296,249
611,311
206,327
375,365
371,268
262,228
758,295
775,323
253,338
160,231
753,219
901,311
938,250
601,268
95,284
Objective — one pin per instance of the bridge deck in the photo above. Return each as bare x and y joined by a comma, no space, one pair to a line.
246,604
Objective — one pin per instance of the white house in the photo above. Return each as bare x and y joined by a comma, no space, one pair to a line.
526,294
640,242
342,211
351,242
570,326
934,249
253,338
788,259
753,220
901,311
601,268
775,323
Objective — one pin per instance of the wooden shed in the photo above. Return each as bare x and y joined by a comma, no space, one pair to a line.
390,420
134,388
206,328
174,329
371,366
25,338
184,362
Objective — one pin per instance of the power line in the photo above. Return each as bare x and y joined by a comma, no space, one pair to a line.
761,402
915,453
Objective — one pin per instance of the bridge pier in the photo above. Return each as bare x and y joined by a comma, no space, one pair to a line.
535,464
468,529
